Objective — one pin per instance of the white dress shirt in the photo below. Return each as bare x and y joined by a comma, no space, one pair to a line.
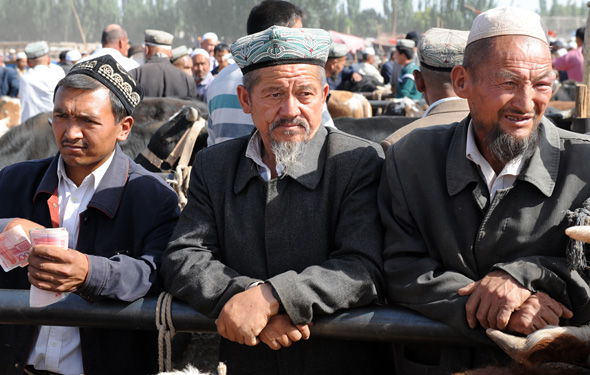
58,349
125,62
494,182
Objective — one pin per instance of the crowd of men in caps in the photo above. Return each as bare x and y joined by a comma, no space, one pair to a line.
459,216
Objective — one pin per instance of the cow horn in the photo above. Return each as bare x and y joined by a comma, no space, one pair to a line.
513,345
579,233
192,115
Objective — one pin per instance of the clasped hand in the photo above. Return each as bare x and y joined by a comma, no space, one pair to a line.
251,316
498,301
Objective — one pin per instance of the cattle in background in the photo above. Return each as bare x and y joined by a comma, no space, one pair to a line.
34,138
9,113
348,104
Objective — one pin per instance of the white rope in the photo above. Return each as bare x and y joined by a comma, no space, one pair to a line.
165,331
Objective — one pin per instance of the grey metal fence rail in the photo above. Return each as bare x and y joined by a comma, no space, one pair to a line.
374,323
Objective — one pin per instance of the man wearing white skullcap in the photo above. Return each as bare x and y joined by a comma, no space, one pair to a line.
208,42
475,211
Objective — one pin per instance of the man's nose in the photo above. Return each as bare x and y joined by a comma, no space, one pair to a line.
290,106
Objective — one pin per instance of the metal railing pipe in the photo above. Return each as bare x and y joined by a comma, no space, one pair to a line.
372,323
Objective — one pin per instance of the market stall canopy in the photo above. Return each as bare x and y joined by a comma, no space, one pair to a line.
354,43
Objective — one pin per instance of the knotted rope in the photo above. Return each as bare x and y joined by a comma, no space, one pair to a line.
576,251
165,331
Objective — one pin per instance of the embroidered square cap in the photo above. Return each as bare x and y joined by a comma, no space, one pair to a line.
36,49
107,71
158,37
442,49
337,50
178,52
279,45
507,21
405,43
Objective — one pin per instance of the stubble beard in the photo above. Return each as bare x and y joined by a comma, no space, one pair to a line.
286,153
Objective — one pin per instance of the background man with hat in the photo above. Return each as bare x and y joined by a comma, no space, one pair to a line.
337,74
440,50
475,211
405,86
366,68
201,72
37,86
158,77
282,225
118,216
208,42
182,60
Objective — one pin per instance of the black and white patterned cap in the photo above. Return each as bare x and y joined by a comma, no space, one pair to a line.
107,71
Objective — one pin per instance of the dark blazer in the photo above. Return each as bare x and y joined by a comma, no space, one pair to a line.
443,232
314,234
159,78
123,231
9,83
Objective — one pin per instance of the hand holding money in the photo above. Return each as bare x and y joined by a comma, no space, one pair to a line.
55,269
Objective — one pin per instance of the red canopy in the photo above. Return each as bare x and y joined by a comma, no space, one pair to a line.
354,43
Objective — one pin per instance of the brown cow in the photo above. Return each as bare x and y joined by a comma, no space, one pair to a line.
348,104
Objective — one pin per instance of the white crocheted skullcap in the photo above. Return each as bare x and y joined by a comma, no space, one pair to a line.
507,21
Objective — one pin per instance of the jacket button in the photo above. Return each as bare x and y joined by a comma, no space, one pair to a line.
85,220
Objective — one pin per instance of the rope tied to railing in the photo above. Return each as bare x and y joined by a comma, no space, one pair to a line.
165,331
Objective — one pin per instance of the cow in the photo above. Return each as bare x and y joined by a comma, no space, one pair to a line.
34,139
9,113
348,104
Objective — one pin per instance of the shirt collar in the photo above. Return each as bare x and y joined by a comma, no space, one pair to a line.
540,169
96,175
308,172
254,152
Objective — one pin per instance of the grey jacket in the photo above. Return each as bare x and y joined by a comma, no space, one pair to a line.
443,113
442,232
314,234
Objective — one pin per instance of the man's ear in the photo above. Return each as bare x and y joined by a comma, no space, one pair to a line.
126,125
325,92
460,79
244,99
419,81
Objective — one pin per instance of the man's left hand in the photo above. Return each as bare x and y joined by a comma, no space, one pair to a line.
281,332
56,269
537,312
246,314
493,299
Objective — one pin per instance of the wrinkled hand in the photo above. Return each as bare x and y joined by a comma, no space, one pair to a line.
56,269
26,224
493,299
246,314
538,311
280,332
356,77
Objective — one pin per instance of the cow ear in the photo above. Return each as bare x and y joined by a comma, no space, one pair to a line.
244,99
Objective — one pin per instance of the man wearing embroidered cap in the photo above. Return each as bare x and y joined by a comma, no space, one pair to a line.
118,216
36,87
282,224
405,87
182,60
439,51
158,77
475,211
